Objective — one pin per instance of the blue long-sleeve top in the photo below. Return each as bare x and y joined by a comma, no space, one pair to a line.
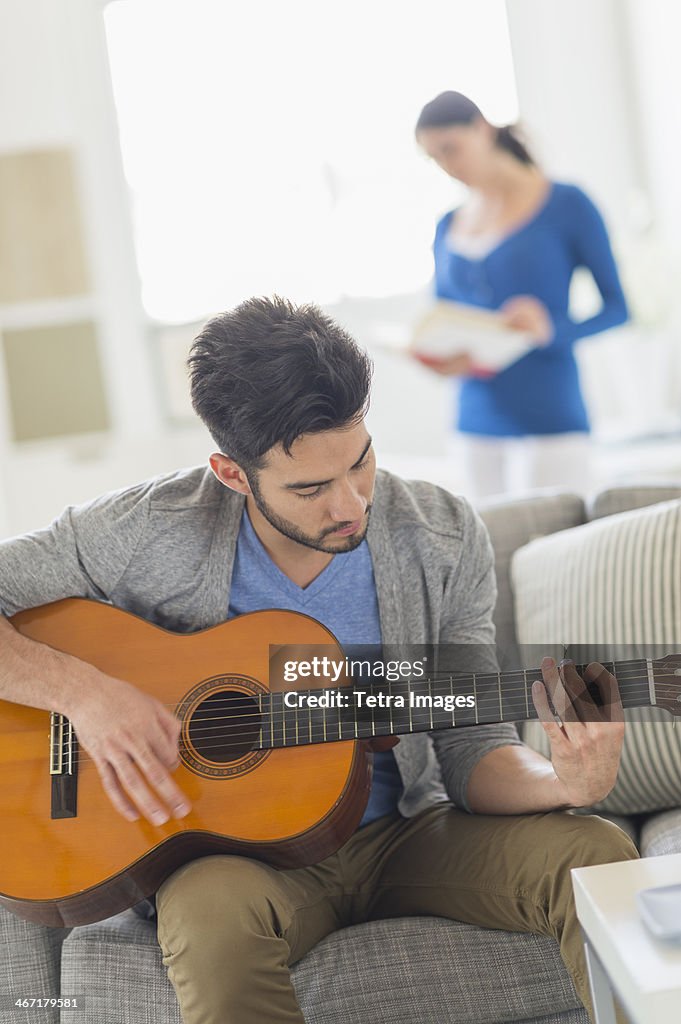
540,393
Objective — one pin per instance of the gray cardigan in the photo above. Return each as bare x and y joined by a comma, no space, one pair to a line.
164,549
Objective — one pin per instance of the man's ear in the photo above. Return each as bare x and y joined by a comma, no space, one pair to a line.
229,473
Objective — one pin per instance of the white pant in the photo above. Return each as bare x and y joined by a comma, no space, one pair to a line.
508,465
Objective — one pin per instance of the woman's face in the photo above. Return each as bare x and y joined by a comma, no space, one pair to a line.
464,151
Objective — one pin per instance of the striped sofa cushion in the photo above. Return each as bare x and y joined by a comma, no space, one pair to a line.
613,587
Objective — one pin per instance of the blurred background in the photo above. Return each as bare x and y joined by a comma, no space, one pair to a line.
161,160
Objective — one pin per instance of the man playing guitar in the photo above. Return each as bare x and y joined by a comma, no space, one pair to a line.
292,513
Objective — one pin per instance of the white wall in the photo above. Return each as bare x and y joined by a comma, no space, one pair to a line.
654,33
598,84
577,98
55,91
598,87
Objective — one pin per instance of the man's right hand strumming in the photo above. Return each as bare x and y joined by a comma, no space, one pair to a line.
131,737
133,740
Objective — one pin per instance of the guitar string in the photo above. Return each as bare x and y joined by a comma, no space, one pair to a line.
416,722
487,682
271,717
244,711
490,679
317,741
492,695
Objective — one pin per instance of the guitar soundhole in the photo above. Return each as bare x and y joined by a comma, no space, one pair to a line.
225,727
221,721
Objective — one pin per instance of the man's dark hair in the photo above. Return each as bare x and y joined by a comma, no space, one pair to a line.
267,372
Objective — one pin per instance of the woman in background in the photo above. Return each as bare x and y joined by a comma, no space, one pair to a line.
513,246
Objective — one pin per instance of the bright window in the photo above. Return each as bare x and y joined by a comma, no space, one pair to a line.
269,145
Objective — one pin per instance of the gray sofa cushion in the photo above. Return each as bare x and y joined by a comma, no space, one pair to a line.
29,967
392,972
432,970
612,585
512,524
661,834
622,499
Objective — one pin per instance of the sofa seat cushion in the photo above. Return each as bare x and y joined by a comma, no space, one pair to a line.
661,834
611,589
29,968
391,972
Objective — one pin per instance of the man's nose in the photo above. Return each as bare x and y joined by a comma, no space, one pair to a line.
348,506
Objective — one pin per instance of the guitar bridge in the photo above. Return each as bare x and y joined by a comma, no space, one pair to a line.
63,767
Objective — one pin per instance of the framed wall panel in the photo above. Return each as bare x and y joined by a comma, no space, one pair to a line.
42,253
54,381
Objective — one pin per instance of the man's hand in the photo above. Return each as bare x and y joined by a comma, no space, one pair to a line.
586,741
133,740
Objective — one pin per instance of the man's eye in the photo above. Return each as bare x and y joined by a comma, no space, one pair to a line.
310,494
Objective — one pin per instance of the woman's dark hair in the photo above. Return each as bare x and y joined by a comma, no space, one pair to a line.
453,108
267,372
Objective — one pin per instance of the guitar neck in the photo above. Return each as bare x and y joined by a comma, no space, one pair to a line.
382,708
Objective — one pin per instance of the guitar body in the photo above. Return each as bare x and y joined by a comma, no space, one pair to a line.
286,806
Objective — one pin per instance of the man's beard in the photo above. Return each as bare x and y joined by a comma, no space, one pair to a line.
293,532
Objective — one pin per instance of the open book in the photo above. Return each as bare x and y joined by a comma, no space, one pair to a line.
449,328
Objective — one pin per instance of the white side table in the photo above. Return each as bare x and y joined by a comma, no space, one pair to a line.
621,953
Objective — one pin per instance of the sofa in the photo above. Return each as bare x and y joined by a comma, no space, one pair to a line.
402,971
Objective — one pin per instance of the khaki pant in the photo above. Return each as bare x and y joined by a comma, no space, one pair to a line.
229,926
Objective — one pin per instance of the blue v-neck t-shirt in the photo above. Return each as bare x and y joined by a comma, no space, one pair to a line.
343,598
539,393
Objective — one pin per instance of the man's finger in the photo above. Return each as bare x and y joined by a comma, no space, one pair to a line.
171,724
131,781
167,749
541,702
612,710
555,688
578,692
114,792
155,772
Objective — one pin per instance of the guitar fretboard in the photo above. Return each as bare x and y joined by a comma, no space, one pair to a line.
381,708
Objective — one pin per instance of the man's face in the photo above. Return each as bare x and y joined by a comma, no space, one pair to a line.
320,495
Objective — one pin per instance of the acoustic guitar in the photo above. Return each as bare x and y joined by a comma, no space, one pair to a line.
274,771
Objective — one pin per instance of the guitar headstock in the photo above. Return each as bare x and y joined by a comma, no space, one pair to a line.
667,678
